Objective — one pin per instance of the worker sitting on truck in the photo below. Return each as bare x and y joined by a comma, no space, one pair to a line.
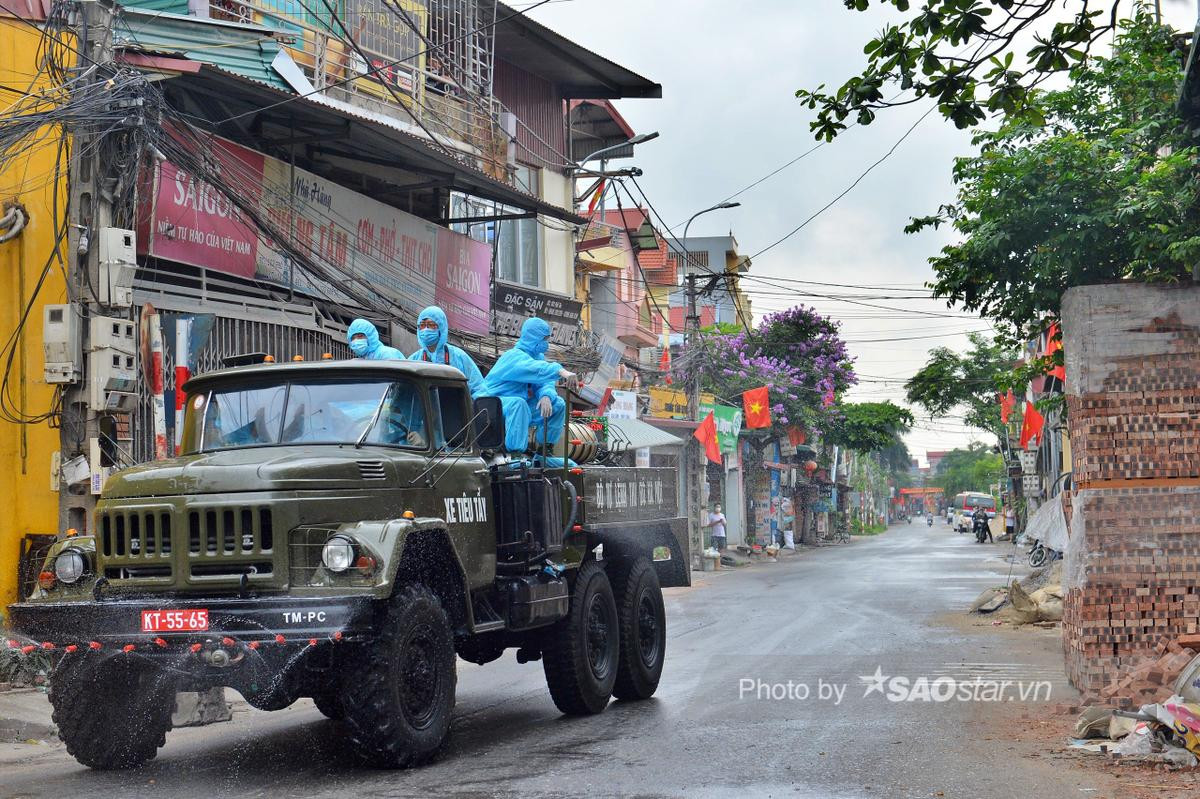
525,383
364,342
432,332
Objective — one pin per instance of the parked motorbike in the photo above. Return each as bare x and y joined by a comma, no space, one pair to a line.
929,520
1041,554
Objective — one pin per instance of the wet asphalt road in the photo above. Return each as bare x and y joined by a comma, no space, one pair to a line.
822,619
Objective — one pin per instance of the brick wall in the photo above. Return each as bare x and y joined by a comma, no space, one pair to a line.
1132,573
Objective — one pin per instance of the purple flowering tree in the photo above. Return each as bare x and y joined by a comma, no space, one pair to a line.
798,354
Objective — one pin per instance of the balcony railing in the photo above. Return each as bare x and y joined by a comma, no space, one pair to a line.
401,72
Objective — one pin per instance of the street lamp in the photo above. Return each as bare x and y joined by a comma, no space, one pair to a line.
717,207
638,139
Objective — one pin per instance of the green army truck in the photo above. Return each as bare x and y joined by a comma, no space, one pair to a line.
342,531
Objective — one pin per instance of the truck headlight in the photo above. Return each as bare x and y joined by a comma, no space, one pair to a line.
69,566
338,554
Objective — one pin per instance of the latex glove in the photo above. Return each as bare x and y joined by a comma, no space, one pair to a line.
566,374
545,407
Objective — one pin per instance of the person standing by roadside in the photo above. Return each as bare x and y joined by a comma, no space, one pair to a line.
1010,522
717,521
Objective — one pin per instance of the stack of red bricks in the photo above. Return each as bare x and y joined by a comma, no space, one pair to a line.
1132,580
1152,680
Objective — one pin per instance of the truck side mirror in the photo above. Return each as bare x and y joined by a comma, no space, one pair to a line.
489,423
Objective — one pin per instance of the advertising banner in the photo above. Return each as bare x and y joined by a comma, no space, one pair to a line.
624,405
729,423
512,305
400,258
666,403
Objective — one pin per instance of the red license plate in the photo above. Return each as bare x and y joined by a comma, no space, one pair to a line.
175,621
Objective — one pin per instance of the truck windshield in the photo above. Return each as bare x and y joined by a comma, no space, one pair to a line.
388,412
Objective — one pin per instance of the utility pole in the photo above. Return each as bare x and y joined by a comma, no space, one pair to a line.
89,211
694,462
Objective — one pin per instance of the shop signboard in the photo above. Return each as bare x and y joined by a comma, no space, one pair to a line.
375,249
624,405
666,403
512,305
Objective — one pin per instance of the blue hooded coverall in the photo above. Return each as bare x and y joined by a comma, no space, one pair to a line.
372,349
520,378
435,349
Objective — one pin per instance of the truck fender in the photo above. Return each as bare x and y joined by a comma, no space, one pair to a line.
629,540
421,547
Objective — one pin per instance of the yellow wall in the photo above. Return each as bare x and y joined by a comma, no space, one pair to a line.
27,502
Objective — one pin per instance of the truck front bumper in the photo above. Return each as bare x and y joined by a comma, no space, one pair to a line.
262,620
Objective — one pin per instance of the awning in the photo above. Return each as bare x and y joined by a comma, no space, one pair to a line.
575,71
635,434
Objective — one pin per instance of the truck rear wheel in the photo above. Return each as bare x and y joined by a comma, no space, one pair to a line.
643,629
111,711
580,652
398,692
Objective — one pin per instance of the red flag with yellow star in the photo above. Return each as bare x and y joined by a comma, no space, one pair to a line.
706,434
758,408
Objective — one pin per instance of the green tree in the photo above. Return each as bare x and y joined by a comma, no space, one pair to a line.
971,382
972,469
961,53
871,427
1105,189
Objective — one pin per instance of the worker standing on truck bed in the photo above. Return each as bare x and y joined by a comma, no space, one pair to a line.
364,342
432,333
525,383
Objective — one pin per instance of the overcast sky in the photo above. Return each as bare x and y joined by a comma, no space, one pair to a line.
728,116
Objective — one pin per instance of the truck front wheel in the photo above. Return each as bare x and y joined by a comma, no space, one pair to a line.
580,652
398,692
643,629
111,711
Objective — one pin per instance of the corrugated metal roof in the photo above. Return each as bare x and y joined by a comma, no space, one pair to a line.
246,50
635,433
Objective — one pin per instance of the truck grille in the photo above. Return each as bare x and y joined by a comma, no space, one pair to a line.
230,531
137,534
202,542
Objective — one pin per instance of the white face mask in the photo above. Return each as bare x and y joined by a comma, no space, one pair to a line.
717,509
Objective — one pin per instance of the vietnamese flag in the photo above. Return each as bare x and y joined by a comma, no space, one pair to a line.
758,408
706,434
1007,402
664,363
1053,345
1031,425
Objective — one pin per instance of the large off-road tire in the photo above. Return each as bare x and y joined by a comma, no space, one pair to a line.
580,652
398,692
112,711
643,629
330,704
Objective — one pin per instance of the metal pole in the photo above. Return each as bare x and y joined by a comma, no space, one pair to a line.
89,210
692,460
694,463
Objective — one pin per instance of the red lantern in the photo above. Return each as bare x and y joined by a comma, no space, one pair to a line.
810,466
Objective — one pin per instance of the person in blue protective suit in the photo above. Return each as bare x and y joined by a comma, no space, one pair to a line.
524,381
432,332
364,342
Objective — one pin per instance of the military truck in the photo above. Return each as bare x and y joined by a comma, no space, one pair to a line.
341,531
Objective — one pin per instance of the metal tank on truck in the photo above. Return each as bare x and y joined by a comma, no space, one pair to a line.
342,531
